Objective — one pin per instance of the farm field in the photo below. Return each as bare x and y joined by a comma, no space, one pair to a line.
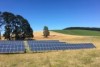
67,58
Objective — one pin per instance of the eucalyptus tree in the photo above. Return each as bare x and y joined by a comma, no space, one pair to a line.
8,19
15,25
25,27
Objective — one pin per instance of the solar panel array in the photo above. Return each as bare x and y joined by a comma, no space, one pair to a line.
12,47
56,45
40,46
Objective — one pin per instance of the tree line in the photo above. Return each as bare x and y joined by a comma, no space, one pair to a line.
83,28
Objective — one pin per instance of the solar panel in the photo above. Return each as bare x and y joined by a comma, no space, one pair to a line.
48,46
12,47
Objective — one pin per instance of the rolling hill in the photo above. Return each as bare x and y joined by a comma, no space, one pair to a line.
79,32
83,28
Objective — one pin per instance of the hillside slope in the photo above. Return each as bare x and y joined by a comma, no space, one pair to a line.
79,32
83,28
56,36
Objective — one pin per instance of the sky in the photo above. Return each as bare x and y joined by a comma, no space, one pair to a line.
56,14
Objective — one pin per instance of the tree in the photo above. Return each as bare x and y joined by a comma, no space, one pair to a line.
15,25
0,24
8,20
25,28
46,32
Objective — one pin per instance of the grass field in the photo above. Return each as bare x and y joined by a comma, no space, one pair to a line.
67,58
79,32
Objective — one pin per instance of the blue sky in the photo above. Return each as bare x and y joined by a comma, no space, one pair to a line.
56,14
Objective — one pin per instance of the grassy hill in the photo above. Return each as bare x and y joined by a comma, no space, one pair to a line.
79,32
83,28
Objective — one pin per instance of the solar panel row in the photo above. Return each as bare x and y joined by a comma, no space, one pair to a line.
12,47
37,46
46,46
